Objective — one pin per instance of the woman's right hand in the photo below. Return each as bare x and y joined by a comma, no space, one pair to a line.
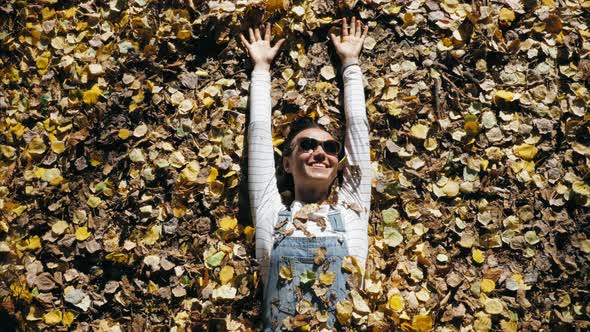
259,48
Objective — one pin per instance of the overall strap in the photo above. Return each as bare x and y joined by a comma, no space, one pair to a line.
335,218
283,215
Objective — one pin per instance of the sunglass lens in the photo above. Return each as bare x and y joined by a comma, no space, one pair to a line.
307,144
332,147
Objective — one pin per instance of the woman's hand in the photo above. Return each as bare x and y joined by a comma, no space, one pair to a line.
350,43
259,48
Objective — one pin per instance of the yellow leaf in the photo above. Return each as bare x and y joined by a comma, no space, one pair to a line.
212,175
509,326
277,141
226,274
51,175
20,291
506,15
58,146
273,5
422,323
152,235
52,317
228,223
525,151
503,95
42,63
124,133
287,74
7,151
478,256
581,188
396,302
93,201
82,233
451,188
47,13
419,131
483,323
487,285
153,287
350,264
493,306
91,96
68,318
183,34
208,102
70,12
32,243
344,311
249,232
117,257
471,128
59,227
327,278
36,146
285,272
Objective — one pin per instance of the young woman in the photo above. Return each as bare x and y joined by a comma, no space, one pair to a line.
301,247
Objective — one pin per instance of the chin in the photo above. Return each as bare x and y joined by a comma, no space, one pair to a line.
319,176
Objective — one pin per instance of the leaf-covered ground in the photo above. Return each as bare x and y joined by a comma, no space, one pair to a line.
123,199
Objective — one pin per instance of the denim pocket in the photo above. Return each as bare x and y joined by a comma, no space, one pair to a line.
292,291
337,291
286,287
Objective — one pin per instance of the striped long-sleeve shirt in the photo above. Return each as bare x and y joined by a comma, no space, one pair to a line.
355,190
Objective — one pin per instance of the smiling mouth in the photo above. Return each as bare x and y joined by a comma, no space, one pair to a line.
318,165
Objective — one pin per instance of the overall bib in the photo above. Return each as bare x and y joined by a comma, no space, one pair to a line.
282,295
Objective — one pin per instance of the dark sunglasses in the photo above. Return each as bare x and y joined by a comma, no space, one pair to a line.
331,147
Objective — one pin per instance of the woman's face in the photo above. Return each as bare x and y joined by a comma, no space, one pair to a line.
311,168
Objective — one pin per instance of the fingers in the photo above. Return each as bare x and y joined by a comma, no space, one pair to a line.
344,27
251,33
267,33
359,29
278,45
244,41
353,26
257,33
365,32
335,40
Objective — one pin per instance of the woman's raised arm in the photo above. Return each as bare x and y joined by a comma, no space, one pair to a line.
356,186
265,200
355,191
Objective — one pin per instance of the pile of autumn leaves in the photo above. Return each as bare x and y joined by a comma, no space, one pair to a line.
121,162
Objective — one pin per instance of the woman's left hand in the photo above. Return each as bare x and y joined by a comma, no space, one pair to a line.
350,43
259,48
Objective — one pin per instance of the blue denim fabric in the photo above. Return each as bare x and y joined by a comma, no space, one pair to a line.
281,296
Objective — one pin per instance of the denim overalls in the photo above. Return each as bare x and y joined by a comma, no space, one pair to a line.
281,295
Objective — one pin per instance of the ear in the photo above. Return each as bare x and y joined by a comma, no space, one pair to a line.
286,165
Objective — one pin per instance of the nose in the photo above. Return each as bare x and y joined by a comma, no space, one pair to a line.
319,155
